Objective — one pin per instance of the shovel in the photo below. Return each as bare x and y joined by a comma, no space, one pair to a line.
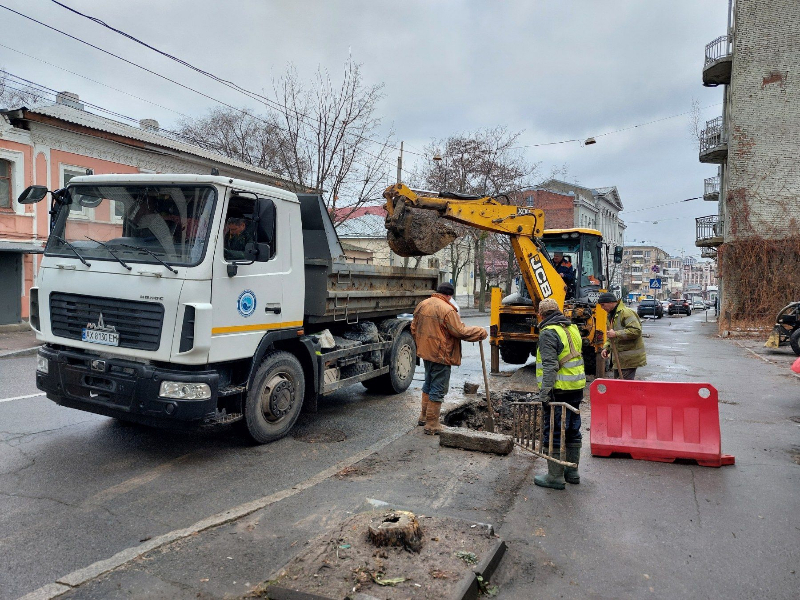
489,423
615,355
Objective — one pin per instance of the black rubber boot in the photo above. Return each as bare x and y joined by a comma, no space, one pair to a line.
554,478
573,456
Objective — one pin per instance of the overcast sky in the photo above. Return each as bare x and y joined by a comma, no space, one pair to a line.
554,69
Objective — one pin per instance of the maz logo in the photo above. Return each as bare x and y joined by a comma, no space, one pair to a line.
541,277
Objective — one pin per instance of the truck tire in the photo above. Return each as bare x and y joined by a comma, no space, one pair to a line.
794,341
516,353
402,364
275,397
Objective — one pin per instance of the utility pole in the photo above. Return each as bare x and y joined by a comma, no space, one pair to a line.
400,164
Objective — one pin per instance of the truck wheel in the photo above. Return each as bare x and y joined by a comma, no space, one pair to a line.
275,399
794,341
402,364
516,353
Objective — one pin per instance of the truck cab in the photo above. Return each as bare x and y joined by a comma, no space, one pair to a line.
160,299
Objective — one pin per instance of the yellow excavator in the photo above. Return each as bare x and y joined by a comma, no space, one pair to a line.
514,323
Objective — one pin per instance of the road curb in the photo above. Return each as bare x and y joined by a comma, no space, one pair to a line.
81,576
23,352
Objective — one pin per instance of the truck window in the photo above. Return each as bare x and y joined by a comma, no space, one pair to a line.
240,227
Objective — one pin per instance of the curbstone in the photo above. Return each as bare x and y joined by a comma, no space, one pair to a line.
23,352
479,441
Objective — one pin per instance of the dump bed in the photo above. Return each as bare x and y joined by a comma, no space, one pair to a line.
340,291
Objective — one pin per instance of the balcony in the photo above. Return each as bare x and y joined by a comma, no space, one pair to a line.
719,59
711,189
714,142
709,232
708,253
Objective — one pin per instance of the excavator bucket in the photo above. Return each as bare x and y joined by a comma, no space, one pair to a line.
417,232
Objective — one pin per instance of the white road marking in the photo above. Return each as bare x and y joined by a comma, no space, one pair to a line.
76,578
22,397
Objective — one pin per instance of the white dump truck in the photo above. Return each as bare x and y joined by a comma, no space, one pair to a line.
193,300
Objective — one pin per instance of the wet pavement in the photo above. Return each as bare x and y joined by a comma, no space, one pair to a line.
75,489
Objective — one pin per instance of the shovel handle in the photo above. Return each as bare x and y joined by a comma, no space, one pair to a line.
485,379
615,354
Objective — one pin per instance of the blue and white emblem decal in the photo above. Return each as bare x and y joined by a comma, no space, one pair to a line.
246,305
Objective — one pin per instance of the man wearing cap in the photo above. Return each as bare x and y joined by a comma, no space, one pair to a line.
625,329
561,378
438,331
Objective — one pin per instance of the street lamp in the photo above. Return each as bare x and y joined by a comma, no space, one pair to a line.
437,158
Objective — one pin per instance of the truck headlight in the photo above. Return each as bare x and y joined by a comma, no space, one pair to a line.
184,391
42,364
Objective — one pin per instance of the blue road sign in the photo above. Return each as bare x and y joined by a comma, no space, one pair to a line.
655,284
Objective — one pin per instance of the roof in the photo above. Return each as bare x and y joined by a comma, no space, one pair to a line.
572,230
99,123
365,226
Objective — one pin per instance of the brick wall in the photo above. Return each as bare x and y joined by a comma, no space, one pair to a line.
559,209
763,187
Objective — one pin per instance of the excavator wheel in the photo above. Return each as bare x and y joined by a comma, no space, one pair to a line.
516,353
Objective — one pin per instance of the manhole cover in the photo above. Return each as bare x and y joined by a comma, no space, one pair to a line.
319,435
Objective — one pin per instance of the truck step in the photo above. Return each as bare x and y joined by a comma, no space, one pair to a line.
231,390
222,418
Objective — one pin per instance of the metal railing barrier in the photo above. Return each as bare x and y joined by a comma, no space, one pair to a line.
527,429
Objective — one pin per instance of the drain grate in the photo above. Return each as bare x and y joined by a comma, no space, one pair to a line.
319,435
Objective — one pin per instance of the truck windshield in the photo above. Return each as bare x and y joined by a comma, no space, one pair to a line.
580,253
137,223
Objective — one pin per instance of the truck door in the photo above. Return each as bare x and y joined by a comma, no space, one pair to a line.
248,294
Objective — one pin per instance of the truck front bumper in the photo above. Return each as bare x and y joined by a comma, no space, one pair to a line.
122,388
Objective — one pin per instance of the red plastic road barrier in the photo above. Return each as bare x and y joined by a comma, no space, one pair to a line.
657,420
796,366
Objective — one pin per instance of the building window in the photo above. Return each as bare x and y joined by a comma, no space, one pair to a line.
529,201
76,211
5,184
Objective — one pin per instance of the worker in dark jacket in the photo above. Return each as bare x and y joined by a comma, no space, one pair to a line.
625,329
561,378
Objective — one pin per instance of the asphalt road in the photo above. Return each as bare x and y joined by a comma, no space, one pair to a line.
76,488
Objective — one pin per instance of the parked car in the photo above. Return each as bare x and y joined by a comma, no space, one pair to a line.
698,304
679,306
650,308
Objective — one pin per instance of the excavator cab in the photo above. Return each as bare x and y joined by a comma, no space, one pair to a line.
576,256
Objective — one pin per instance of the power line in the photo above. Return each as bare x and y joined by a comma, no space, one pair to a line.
189,88
661,205
230,84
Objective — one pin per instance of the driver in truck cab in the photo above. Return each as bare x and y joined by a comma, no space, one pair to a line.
563,266
438,331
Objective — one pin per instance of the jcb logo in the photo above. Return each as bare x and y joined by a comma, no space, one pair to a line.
541,277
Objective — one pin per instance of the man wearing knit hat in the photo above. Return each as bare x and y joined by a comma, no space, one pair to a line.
438,331
561,378
625,329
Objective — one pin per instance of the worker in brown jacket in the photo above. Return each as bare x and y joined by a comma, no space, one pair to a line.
438,331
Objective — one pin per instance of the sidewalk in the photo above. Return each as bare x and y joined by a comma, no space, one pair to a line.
18,343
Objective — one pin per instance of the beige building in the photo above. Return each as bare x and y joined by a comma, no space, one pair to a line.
640,264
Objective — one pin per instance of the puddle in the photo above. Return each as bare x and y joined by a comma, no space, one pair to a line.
318,435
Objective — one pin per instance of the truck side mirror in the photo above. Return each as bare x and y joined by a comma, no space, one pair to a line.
33,194
618,254
265,232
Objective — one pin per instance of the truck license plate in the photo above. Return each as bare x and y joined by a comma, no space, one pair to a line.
107,338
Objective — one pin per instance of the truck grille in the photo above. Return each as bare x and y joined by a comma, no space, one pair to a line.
138,323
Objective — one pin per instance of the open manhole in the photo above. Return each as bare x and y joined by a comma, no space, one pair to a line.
473,415
319,435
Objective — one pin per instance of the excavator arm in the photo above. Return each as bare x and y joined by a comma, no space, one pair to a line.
523,225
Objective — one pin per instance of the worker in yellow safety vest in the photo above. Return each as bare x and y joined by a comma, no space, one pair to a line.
561,378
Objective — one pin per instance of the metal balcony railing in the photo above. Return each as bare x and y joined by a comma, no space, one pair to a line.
709,230
713,135
719,48
711,186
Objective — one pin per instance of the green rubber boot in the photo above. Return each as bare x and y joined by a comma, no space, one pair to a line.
573,456
554,478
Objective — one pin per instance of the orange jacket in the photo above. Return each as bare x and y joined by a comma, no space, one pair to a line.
438,331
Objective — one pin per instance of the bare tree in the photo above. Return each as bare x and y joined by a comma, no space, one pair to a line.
483,163
320,135
15,95
236,134
695,124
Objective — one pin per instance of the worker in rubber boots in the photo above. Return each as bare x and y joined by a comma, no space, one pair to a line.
625,329
561,378
438,331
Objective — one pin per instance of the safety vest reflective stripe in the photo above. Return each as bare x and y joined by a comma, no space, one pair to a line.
570,375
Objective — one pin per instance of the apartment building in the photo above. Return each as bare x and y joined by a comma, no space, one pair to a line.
640,264
753,144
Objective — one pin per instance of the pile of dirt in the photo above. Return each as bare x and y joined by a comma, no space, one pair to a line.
417,232
473,415
343,562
